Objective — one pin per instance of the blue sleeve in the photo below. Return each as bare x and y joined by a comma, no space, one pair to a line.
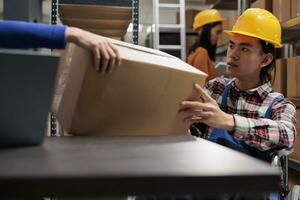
15,34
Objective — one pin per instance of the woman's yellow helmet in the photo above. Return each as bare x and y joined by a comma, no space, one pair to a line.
206,17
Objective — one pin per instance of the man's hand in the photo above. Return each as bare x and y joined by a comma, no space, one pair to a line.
206,110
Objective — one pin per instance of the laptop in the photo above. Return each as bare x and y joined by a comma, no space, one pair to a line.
26,84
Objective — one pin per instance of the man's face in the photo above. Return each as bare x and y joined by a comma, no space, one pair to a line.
244,57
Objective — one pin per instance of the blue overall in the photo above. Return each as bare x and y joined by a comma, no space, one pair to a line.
221,136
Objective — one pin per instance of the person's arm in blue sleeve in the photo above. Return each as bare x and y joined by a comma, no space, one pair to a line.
15,34
22,35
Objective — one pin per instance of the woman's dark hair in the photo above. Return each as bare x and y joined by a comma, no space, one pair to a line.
205,41
268,72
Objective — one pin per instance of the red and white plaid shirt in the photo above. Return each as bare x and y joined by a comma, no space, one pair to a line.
249,108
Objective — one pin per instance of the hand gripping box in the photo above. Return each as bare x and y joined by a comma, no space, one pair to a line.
141,96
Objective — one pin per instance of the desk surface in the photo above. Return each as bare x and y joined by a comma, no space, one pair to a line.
88,166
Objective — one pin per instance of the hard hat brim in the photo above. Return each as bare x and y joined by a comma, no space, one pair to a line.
277,45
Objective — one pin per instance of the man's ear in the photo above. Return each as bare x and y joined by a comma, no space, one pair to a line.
267,59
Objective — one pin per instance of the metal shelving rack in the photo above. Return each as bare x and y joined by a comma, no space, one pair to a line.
53,121
170,28
135,20
290,36
291,30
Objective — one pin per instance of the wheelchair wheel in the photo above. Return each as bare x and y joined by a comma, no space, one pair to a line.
294,193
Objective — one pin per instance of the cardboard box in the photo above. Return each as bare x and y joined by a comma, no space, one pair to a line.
141,97
298,124
189,17
190,40
107,21
295,8
280,81
295,156
293,74
80,11
231,19
282,9
265,4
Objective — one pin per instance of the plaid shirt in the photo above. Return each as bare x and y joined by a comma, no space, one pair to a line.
249,108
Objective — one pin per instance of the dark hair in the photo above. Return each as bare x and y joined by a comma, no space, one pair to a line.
205,41
266,73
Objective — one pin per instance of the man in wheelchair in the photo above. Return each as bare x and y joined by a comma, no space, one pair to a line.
244,112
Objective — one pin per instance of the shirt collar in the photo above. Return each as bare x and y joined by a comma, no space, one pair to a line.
262,90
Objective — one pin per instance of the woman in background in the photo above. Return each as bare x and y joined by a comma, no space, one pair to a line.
202,53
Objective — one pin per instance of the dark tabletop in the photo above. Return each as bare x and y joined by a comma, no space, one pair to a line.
91,166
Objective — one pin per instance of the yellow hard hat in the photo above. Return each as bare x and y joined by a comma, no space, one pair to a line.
258,23
206,17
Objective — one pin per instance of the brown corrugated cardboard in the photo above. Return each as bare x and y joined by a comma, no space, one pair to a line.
190,40
189,17
224,38
293,74
282,9
295,156
107,21
97,23
280,81
141,97
76,11
265,4
296,102
295,8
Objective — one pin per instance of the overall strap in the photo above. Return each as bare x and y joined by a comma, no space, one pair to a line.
268,113
225,94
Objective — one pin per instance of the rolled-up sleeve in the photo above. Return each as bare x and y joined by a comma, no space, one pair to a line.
264,133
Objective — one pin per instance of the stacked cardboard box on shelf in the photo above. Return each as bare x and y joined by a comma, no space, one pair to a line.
280,82
189,20
293,74
231,19
295,5
293,92
190,40
189,17
108,21
295,155
265,4
282,9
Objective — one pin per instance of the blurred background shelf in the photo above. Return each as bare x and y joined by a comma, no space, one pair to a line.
291,30
120,3
295,101
109,21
